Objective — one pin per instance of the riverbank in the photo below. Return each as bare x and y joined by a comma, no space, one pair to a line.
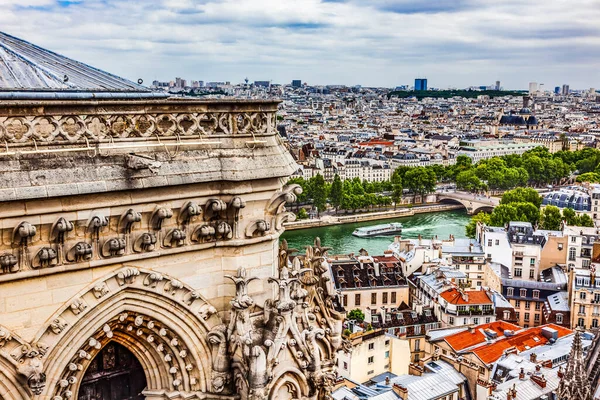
330,220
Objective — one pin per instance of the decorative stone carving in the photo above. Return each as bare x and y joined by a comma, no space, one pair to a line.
223,230
24,232
175,238
189,211
173,286
137,162
145,242
95,224
32,370
204,233
101,290
283,217
288,194
78,306
127,275
206,311
9,263
242,300
45,257
5,336
58,325
257,228
158,216
127,220
214,209
153,279
114,247
82,251
75,128
60,229
235,205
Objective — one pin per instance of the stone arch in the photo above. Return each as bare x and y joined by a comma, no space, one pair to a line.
159,319
292,381
10,387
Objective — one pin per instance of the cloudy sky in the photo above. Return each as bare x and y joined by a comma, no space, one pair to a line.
370,42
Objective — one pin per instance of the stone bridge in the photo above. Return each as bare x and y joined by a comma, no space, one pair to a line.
473,203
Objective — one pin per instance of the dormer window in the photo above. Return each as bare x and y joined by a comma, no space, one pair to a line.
523,292
510,291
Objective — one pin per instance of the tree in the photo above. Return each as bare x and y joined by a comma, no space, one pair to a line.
471,228
468,180
397,191
503,214
527,212
551,218
592,177
535,168
520,195
302,214
420,180
570,216
336,192
356,315
318,192
585,220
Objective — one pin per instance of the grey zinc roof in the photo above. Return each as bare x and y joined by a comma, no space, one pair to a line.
27,67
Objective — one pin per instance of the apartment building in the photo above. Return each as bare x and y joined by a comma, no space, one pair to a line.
585,298
367,282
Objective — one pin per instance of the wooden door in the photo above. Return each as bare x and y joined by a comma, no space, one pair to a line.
114,374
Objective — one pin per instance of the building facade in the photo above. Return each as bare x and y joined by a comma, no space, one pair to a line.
139,244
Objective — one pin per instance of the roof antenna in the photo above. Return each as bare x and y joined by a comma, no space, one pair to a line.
65,78
140,81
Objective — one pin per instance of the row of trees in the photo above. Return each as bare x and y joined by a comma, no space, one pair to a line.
349,194
523,204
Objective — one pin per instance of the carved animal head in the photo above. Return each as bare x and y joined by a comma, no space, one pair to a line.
62,225
206,231
32,368
97,222
177,237
25,231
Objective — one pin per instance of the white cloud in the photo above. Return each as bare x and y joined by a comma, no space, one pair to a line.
379,42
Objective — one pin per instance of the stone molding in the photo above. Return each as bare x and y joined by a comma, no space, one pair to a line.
108,121
105,237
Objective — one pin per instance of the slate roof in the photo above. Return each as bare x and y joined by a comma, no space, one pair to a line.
362,274
27,67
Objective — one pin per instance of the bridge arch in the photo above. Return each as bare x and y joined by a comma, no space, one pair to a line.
472,204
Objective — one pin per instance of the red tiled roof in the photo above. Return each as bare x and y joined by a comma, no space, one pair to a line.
453,296
462,340
523,340
376,142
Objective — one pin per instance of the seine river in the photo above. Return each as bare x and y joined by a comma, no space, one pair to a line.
340,238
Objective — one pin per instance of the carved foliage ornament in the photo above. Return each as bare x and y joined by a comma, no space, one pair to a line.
76,128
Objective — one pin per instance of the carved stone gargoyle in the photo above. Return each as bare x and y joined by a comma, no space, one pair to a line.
213,209
158,216
288,194
22,236
235,205
128,218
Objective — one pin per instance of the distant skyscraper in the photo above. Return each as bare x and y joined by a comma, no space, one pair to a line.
557,90
420,84
533,87
296,83
497,85
565,89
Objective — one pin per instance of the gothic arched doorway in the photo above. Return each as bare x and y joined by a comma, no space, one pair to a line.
114,374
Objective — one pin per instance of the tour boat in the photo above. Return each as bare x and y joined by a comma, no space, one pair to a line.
379,230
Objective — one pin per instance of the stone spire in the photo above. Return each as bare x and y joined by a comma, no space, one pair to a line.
574,384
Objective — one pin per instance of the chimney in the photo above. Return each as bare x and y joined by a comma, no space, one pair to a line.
560,372
537,368
401,391
471,329
533,357
420,239
522,374
387,380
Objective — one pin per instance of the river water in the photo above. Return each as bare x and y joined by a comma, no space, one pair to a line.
340,238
